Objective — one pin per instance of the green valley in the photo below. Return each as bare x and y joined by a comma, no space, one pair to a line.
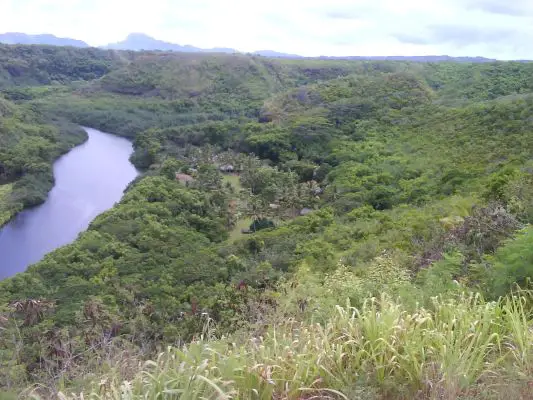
301,228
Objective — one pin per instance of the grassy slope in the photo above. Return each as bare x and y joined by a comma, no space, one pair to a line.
462,348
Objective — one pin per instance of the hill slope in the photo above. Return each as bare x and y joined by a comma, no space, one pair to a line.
43,65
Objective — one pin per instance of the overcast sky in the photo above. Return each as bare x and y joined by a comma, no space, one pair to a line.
492,28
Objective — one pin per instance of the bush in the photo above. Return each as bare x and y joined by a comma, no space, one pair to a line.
511,265
262,223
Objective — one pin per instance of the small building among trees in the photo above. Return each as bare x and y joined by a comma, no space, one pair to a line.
305,211
184,178
227,168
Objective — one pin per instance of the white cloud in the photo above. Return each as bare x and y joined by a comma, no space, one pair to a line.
492,28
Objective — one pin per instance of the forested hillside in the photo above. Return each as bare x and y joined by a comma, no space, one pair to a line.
302,229
49,65
29,142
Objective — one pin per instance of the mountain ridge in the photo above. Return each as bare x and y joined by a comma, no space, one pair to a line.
138,41
45,38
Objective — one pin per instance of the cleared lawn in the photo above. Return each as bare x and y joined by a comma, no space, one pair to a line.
234,180
236,231
243,223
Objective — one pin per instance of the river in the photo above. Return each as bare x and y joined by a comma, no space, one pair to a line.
89,179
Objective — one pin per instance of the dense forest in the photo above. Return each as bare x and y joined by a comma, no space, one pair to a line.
302,228
29,142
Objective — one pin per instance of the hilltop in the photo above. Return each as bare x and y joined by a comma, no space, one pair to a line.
347,228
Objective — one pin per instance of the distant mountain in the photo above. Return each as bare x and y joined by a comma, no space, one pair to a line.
141,41
275,54
220,50
23,38
414,58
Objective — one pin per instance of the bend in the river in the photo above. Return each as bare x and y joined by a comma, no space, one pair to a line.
89,179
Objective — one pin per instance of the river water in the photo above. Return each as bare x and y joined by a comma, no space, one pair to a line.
89,179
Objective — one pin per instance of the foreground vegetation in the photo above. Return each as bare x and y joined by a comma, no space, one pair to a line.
370,241
458,348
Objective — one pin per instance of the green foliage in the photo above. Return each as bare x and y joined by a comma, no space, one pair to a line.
260,224
7,209
29,142
383,180
441,276
458,83
377,350
511,265
43,65
514,188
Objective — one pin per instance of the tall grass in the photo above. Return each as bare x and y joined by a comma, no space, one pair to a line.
379,350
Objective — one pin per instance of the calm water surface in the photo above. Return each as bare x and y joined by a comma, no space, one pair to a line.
90,179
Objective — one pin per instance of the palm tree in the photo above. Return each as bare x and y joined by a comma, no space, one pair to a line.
253,206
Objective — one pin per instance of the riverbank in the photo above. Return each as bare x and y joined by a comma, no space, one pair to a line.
32,187
89,180
5,213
